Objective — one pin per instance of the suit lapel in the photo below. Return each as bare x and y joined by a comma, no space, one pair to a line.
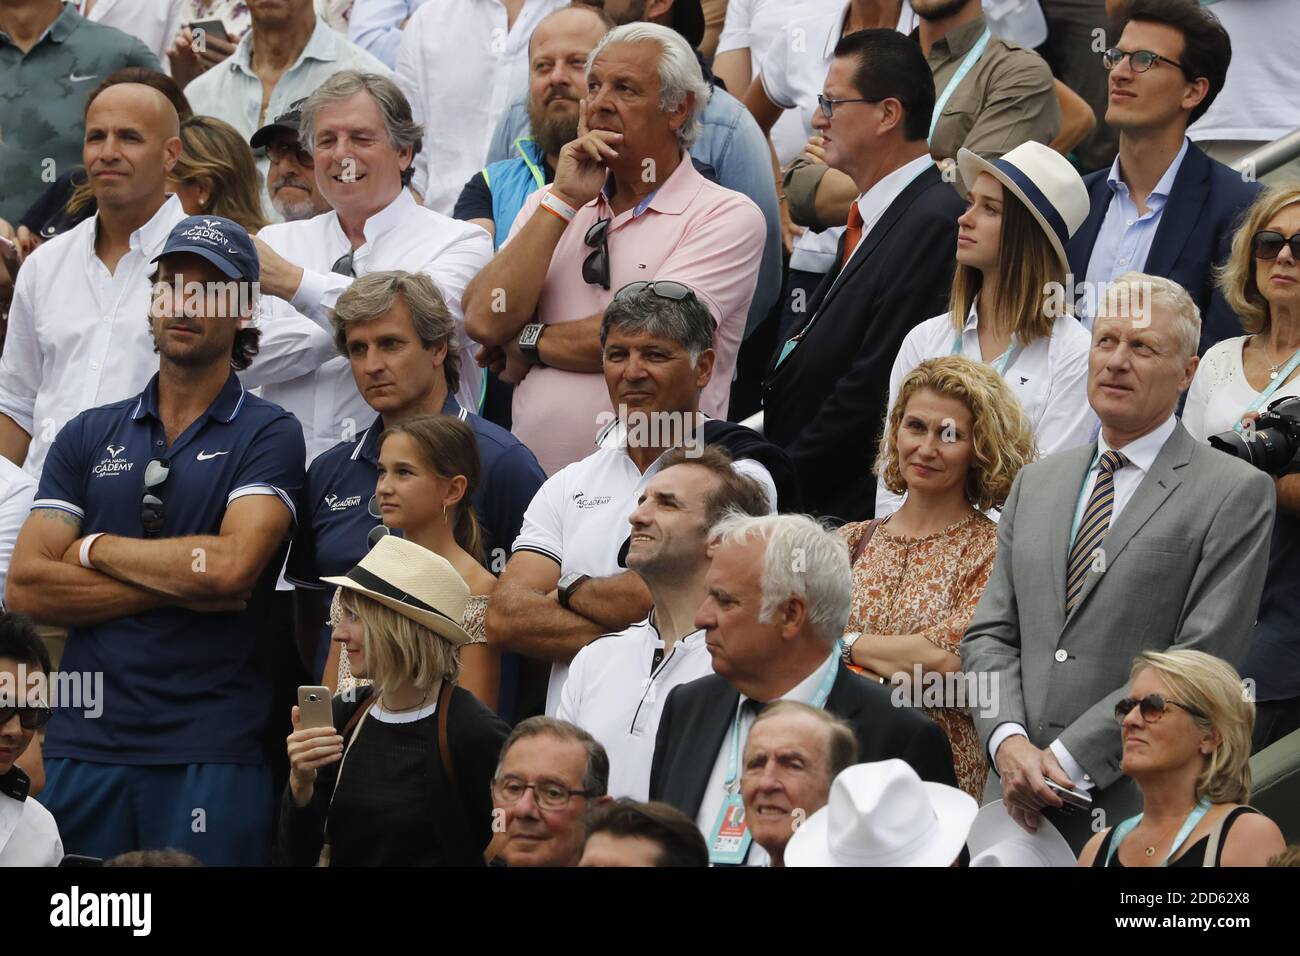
1079,250
840,701
1182,210
708,731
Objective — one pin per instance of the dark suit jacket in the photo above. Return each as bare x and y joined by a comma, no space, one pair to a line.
825,403
1195,234
698,715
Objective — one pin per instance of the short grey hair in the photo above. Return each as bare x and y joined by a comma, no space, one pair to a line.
1143,291
373,295
595,777
679,71
403,130
688,322
803,558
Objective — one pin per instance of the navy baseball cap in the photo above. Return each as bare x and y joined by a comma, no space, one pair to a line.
221,241
288,121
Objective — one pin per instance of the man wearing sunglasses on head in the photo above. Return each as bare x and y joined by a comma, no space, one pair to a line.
159,527
626,205
1164,207
29,835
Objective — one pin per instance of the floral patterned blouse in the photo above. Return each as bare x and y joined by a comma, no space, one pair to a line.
928,586
472,621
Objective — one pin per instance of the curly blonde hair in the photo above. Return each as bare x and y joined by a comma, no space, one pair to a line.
1001,435
1236,277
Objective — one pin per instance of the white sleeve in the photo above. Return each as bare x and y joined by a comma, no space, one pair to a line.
1070,765
20,359
772,66
1001,733
543,527
17,491
736,28
1068,419
752,468
1198,398
291,346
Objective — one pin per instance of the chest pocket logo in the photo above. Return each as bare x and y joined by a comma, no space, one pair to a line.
112,465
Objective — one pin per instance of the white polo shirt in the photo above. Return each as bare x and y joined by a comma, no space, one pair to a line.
402,235
579,517
17,489
614,694
1049,376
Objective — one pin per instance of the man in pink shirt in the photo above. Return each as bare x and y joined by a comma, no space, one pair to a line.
626,205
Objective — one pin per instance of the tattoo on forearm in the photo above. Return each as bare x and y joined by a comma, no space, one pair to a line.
56,514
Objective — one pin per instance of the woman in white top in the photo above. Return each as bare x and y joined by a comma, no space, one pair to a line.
1009,306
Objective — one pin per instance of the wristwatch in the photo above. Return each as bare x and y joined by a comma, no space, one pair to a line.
846,643
568,584
529,336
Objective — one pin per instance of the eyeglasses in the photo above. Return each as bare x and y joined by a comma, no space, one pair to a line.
663,288
29,718
1142,60
289,147
343,264
595,268
1267,244
380,530
549,796
828,105
1153,708
152,511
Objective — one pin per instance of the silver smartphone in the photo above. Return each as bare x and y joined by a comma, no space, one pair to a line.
1074,799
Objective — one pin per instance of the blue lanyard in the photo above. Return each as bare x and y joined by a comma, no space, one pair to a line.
818,701
1002,362
1273,386
966,66
1193,818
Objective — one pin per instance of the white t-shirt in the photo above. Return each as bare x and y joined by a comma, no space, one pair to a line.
1049,376
1220,392
28,834
1258,101
613,694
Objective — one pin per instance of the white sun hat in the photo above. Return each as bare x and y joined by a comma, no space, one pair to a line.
997,840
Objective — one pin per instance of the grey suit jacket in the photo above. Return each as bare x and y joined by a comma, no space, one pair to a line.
1183,567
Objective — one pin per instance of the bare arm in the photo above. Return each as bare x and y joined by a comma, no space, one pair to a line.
480,672
891,653
524,616
615,602
766,113
734,68
1288,494
14,440
835,193
572,346
1077,119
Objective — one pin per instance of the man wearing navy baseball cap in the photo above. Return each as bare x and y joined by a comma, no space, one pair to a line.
158,532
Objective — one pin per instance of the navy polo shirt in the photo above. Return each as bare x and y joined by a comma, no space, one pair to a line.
179,687
331,537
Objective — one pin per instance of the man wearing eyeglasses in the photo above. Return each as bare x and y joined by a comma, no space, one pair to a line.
291,175
157,533
1163,207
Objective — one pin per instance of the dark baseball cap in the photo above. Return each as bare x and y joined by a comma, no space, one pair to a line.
221,241
286,121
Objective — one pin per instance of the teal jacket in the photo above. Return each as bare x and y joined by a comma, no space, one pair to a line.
512,181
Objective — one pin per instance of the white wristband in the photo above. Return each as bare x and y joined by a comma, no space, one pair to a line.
84,554
558,206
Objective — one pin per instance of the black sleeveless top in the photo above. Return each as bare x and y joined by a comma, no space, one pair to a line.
1195,856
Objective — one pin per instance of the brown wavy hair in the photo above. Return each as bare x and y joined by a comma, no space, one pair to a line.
214,154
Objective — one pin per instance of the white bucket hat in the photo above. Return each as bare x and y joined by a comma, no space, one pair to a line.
414,582
1044,181
997,840
883,814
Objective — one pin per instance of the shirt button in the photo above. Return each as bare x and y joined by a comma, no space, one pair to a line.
158,443
1129,222
1123,262
94,366
1061,656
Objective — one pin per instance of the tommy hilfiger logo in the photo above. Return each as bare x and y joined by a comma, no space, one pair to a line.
336,503
112,465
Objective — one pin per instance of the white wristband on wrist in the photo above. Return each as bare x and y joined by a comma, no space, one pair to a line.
84,554
558,206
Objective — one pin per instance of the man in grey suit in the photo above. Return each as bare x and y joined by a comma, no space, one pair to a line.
1145,539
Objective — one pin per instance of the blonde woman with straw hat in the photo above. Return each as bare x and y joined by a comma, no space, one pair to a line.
406,781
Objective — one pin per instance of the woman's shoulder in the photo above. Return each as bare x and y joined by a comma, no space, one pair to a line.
1250,837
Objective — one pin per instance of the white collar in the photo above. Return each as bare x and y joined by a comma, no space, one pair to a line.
873,203
150,238
381,223
806,689
1141,452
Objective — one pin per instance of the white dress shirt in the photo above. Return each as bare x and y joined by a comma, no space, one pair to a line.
1141,454
402,235
715,790
613,694
28,834
155,23
376,26
461,64
1220,392
1049,376
17,489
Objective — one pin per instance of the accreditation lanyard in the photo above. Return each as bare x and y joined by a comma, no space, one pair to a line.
1273,386
967,65
1193,818
1002,362
730,837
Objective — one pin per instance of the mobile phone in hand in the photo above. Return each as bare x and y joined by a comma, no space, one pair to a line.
1074,799
212,28
314,707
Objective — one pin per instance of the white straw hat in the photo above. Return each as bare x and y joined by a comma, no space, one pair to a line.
415,583
997,840
883,814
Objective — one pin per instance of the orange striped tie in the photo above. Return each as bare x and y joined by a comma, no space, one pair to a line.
1092,527
852,234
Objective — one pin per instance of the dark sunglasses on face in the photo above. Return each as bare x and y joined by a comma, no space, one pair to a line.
1267,244
595,268
1140,60
29,718
152,510
1153,708
289,147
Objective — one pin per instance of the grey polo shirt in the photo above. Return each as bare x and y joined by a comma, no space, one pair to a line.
43,101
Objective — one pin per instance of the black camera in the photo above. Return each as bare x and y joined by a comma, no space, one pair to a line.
1273,444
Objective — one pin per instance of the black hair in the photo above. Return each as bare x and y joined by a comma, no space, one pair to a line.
1207,50
679,839
20,642
891,66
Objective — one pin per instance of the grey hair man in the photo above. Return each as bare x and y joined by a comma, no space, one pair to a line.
778,594
362,138
1144,540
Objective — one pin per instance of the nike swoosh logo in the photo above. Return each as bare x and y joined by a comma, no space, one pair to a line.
73,78
209,455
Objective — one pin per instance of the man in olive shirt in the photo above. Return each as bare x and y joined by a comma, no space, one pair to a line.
50,60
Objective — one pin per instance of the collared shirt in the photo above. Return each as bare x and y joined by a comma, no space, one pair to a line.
461,63
179,686
28,834
155,23
691,231
715,790
233,92
616,693
579,518
873,203
376,26
402,235
1124,240
1049,376
43,104
17,489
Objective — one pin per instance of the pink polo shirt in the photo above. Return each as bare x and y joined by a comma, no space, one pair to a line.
693,231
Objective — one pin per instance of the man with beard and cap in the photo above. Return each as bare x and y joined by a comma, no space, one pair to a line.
291,173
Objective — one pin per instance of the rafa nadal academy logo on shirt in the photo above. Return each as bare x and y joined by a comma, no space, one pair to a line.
341,504
112,465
